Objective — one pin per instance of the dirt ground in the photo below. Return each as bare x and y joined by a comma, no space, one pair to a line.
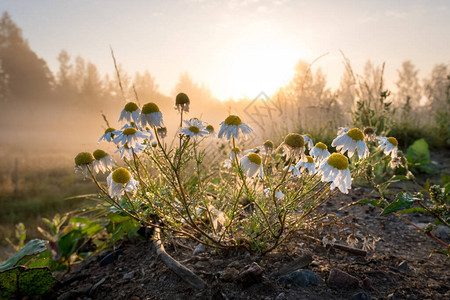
400,267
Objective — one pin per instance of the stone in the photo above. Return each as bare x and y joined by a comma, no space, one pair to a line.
281,296
251,274
110,258
301,278
200,248
403,266
229,274
443,233
342,280
128,275
361,296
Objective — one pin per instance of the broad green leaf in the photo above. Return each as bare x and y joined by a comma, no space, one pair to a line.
68,243
117,218
91,229
33,247
401,202
418,152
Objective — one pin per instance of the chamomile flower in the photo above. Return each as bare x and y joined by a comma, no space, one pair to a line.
151,115
389,145
162,132
369,134
259,150
320,152
120,181
294,146
130,136
307,164
292,168
210,129
231,127
108,135
308,141
278,194
127,152
335,170
83,161
235,153
194,128
130,112
182,102
350,141
268,146
252,166
103,161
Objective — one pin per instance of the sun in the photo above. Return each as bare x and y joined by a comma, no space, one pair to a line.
258,67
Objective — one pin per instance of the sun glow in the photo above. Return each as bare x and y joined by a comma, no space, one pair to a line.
255,68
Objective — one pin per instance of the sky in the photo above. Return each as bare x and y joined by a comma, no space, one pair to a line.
237,48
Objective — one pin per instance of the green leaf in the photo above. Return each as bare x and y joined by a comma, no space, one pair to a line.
33,247
401,202
413,210
418,152
117,218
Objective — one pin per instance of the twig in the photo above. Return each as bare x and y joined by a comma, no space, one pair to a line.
186,274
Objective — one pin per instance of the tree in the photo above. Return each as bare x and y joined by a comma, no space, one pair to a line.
437,88
28,75
408,86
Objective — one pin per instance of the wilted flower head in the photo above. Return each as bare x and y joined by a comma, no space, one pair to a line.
162,132
231,127
320,152
350,141
130,112
335,170
210,129
268,146
103,161
120,181
369,134
151,115
251,164
108,135
182,102
83,160
294,145
389,145
308,140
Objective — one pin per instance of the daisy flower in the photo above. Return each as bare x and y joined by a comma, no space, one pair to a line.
350,141
369,134
268,146
251,164
335,170
308,164
127,152
108,135
308,141
294,145
83,161
182,102
120,181
130,113
194,128
151,115
320,152
162,132
130,136
231,127
210,129
389,145
278,194
235,152
103,161
292,168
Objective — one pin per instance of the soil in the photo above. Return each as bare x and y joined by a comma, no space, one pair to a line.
400,266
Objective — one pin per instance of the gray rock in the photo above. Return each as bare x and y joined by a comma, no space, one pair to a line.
251,274
361,296
281,296
341,280
301,278
200,248
230,274
128,275
443,233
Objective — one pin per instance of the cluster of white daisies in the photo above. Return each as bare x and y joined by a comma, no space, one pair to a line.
136,135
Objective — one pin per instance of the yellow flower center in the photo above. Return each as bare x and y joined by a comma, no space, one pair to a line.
182,98
338,161
233,120
129,131
356,134
121,175
236,150
194,129
131,106
133,124
368,131
321,145
110,129
308,135
83,158
294,140
393,141
99,154
150,108
255,158
210,128
310,159
268,144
